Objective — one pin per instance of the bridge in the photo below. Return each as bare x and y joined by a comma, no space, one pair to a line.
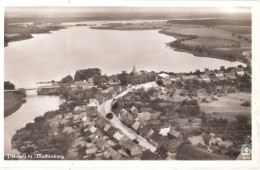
32,91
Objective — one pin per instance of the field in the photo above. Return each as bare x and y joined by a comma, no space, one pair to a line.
229,106
211,42
236,29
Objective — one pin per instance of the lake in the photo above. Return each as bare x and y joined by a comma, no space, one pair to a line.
53,56
35,106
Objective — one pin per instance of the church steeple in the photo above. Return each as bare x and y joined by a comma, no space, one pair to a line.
134,70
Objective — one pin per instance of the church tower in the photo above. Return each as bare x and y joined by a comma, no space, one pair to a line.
134,70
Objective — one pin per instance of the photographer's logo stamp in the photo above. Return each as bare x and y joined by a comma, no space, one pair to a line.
246,152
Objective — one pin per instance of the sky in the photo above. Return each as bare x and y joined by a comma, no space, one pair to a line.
83,11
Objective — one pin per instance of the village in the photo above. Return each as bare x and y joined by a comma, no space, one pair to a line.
141,116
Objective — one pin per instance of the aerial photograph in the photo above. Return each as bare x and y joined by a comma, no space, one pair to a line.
127,83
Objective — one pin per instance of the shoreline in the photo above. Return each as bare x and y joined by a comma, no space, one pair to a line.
28,34
12,103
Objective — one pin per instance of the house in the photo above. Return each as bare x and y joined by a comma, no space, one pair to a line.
208,139
136,125
166,81
165,131
173,134
102,122
218,140
118,136
195,140
79,109
231,76
92,129
111,153
205,78
106,127
126,118
146,131
132,148
91,81
91,111
163,75
134,110
240,73
111,131
155,138
176,79
189,78
93,103
219,75
100,144
83,84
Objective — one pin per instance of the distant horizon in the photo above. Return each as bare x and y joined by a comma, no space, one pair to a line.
117,11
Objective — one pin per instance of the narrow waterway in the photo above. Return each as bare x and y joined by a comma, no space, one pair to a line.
35,106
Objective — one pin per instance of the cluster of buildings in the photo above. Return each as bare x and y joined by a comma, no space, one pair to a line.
206,76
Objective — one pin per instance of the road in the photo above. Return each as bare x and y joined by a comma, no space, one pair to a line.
106,108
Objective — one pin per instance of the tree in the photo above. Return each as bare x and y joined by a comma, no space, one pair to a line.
85,74
123,78
109,116
162,152
68,79
8,85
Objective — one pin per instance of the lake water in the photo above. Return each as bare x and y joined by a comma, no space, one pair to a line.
52,56
35,106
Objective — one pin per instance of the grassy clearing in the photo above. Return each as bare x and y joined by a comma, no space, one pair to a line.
236,29
210,42
229,106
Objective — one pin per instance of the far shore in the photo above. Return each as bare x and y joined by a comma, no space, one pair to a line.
224,45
